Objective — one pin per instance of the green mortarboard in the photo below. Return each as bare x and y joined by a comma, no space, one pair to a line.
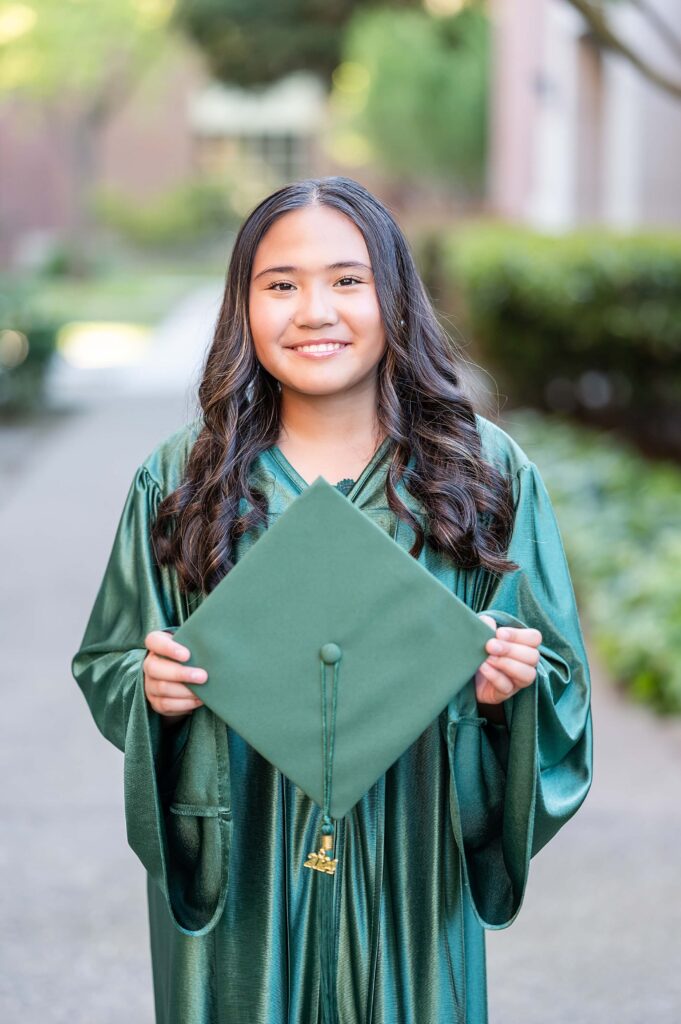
330,649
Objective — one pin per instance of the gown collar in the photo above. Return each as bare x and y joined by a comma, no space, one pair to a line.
369,475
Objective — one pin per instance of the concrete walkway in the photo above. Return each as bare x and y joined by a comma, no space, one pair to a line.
72,902
170,365
597,940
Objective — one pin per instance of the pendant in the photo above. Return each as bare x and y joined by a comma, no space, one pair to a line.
321,862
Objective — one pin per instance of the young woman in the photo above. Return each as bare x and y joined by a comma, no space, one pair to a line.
328,360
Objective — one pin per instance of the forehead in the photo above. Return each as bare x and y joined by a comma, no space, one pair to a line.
311,238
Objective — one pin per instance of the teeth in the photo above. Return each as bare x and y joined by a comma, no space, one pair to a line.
320,348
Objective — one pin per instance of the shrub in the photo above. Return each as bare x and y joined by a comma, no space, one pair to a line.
587,324
186,214
27,343
619,517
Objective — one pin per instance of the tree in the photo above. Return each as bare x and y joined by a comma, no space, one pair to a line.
598,16
419,70
79,61
255,43
413,90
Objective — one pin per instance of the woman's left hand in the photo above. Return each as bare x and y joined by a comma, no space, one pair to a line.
510,665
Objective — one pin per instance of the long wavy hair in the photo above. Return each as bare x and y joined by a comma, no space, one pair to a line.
467,503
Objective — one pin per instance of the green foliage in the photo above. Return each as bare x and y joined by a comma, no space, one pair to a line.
138,291
423,107
84,59
80,51
256,43
184,215
619,518
587,323
27,342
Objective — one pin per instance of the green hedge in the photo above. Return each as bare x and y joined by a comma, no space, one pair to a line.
619,518
187,214
587,324
27,343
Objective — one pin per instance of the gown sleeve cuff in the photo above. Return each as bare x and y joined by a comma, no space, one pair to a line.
178,810
493,779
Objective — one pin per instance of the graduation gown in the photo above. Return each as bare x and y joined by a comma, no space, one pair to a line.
437,851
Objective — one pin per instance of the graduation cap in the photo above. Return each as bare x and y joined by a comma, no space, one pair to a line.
330,649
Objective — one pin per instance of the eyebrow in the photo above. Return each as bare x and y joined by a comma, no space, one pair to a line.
294,270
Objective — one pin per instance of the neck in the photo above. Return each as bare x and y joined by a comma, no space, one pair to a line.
330,422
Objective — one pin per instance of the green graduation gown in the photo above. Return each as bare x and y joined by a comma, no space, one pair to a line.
438,849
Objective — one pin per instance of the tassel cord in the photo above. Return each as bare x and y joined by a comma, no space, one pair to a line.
327,890
328,743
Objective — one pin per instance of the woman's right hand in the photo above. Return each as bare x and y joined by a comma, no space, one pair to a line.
164,678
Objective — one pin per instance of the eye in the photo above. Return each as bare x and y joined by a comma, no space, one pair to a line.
287,286
276,284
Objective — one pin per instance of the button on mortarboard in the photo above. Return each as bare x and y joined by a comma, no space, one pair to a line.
330,653
330,649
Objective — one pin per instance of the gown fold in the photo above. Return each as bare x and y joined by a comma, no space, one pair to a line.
178,821
514,786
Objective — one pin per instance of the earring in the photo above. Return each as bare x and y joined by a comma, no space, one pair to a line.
402,323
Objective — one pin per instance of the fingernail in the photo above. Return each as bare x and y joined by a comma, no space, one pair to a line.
494,647
199,675
504,633
181,652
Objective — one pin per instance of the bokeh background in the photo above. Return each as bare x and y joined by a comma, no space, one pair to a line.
532,152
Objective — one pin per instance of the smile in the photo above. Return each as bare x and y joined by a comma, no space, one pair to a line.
322,349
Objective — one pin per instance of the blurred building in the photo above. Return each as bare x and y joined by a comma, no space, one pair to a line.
580,136
177,126
273,130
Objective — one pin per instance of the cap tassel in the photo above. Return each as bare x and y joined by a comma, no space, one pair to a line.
327,944
330,654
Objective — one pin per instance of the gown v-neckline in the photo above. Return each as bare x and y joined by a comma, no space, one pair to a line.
301,484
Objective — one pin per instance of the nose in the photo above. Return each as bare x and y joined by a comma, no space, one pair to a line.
314,307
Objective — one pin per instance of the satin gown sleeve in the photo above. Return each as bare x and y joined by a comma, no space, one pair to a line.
513,787
177,812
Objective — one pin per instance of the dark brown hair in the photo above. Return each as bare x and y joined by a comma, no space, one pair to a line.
467,502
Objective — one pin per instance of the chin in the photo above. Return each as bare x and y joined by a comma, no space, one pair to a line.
318,387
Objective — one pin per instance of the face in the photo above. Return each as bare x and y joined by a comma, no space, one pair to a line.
316,327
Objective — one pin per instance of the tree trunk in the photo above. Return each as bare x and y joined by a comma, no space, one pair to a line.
83,162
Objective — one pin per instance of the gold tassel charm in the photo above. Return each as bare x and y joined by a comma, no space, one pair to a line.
321,861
